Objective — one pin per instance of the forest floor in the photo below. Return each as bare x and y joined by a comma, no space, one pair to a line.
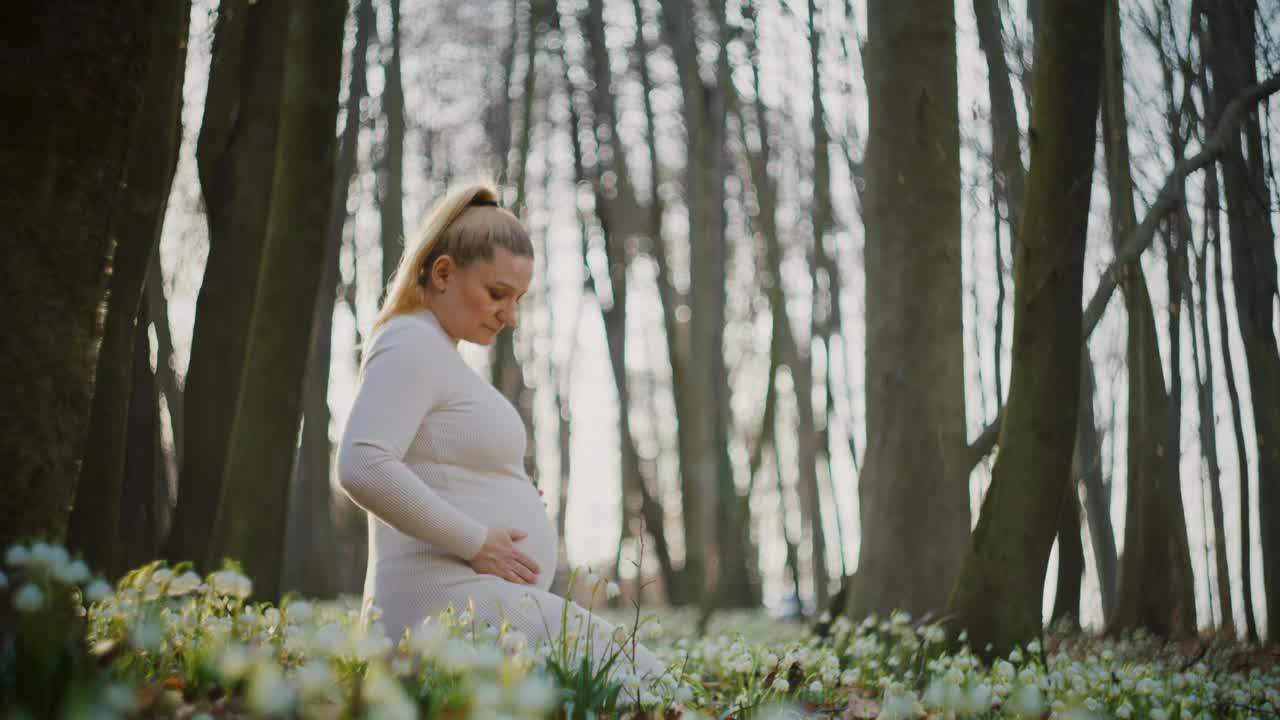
165,642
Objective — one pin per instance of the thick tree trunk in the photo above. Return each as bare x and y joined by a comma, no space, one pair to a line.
1253,269
998,593
707,489
914,489
236,155
252,515
153,157
74,78
1156,589
310,538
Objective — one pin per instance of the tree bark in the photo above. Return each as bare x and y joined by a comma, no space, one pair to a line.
153,158
391,172
74,77
144,493
252,515
157,306
914,488
707,489
1156,589
618,212
998,593
1231,57
1086,471
236,157
310,537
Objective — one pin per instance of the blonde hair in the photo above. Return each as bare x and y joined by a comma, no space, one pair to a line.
467,224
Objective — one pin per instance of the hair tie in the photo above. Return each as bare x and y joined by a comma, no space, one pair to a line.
480,202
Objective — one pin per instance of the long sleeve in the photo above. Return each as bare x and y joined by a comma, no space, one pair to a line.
398,388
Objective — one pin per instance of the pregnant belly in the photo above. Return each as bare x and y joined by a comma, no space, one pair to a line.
513,503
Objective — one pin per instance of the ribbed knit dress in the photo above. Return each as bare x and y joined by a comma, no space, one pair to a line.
435,455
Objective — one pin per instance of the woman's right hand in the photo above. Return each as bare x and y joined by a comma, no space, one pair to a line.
499,556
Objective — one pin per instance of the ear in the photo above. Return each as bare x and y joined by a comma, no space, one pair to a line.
441,271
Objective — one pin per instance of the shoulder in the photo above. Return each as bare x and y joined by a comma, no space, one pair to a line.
409,333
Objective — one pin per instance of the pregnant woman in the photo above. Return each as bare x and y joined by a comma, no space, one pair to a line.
435,454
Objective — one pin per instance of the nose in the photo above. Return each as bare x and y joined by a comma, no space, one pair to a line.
509,315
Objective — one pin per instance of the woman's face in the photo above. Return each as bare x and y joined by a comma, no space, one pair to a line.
475,302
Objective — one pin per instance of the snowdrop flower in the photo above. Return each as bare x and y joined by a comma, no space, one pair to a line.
183,584
269,693
514,640
147,636
71,573
234,662
535,695
612,590
29,598
299,611
592,580
815,687
781,685
17,555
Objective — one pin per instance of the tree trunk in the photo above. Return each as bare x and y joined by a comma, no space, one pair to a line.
618,213
1066,602
688,585
166,360
153,157
997,596
144,495
236,155
1214,242
706,476
310,539
1231,56
74,78
507,374
391,173
252,516
1086,471
1156,589
914,489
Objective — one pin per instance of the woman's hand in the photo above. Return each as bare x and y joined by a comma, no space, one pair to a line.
499,556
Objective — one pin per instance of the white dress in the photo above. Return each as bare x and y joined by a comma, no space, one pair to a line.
435,454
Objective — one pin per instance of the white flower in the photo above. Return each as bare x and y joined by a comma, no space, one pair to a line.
781,685
593,580
17,555
234,662
534,694
299,611
147,635
612,590
315,676
28,599
97,591
815,686
71,573
183,584
1026,702
269,693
